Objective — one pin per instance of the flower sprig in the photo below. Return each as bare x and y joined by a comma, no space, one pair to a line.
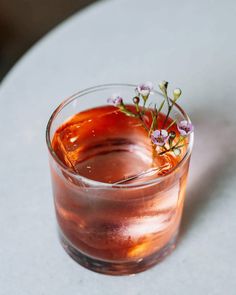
161,136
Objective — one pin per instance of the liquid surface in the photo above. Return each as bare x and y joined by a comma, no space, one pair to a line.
115,224
106,145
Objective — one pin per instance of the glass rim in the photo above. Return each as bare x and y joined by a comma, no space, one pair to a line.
95,183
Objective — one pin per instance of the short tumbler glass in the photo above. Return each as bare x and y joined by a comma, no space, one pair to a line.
121,228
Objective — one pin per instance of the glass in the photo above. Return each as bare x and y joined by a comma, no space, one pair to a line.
117,212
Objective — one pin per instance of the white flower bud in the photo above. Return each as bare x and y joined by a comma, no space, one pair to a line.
177,92
163,85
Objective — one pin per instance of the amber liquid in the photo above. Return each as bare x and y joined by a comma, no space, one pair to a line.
116,224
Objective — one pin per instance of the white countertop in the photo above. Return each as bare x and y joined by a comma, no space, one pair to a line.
192,45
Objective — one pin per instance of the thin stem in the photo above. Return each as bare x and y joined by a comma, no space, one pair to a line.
171,124
167,116
141,119
159,110
140,116
176,146
179,146
181,138
166,97
170,107
144,106
124,110
153,125
162,153
164,91
161,106
137,107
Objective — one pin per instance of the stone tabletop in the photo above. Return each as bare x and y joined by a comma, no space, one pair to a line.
188,43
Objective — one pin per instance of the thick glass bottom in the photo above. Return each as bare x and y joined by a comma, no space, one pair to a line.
118,268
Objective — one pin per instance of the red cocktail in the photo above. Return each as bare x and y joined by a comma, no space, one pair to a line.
118,206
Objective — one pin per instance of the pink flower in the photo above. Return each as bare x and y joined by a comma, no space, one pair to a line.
115,99
144,88
159,137
185,128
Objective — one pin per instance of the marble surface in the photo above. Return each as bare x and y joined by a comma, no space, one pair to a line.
189,43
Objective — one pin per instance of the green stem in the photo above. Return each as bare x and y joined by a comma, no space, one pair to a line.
144,107
166,97
153,125
141,119
179,146
176,146
124,110
140,116
171,124
167,116
181,138
170,107
162,153
159,110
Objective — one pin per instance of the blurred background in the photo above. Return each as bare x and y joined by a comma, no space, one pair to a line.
23,22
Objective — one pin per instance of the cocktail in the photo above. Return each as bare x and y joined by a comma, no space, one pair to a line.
119,174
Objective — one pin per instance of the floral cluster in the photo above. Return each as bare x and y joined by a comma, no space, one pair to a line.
160,135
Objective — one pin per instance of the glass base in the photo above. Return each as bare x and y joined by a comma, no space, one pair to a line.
117,268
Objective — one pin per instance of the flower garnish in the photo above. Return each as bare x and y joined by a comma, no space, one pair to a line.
177,92
115,99
185,128
163,86
136,100
144,89
160,137
163,139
